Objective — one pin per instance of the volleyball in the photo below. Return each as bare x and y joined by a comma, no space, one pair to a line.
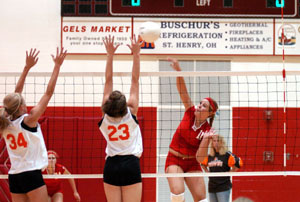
149,31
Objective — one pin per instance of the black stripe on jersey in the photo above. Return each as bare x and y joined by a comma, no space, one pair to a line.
34,129
100,122
237,159
135,119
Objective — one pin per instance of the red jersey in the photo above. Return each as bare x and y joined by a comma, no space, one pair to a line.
54,185
187,138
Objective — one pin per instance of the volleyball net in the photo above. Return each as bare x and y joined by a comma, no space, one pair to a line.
258,115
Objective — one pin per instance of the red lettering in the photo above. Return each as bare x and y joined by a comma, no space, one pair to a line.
94,29
65,29
105,29
74,28
114,29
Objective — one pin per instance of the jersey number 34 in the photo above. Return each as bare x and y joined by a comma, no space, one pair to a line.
20,142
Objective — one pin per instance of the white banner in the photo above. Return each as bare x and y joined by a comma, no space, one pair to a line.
186,36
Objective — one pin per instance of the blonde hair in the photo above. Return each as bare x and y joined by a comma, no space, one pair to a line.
222,146
10,110
4,121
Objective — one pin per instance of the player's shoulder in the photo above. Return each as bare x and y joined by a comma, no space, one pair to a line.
59,166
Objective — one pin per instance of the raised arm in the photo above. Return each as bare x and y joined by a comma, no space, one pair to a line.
110,49
202,151
181,87
31,60
73,185
133,101
40,108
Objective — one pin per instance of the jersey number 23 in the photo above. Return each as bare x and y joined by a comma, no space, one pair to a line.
113,135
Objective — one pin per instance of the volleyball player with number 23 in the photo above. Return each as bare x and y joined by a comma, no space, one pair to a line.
120,128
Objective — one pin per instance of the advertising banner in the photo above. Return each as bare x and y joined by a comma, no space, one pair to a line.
184,36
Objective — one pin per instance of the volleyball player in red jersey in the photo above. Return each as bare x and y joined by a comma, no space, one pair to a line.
190,143
54,186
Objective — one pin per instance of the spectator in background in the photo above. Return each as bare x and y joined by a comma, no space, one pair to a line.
54,186
220,159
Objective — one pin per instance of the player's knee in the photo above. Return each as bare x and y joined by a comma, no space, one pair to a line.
177,197
203,200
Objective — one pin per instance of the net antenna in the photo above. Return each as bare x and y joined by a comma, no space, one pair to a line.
203,2
284,81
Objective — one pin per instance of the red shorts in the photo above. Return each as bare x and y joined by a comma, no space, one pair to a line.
52,191
185,164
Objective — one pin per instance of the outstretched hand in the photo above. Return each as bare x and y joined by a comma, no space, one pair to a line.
174,64
60,56
109,45
135,46
31,58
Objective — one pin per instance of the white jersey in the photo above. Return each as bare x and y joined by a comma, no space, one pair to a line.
26,147
123,135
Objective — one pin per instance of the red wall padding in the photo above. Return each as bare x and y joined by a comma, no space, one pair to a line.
253,134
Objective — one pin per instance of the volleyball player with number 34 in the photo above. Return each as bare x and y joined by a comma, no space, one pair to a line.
120,128
23,136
